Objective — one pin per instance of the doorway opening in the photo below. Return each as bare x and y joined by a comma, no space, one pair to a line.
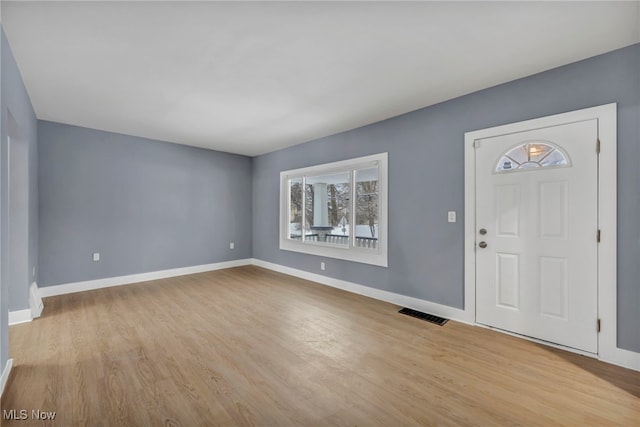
497,276
18,220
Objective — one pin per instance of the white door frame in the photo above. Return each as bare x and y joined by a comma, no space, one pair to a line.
607,217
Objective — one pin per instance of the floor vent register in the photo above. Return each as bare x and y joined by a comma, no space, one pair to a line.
440,321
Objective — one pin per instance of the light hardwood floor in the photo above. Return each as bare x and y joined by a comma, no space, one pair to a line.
247,346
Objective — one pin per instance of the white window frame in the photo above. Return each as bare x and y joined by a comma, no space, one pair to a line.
351,252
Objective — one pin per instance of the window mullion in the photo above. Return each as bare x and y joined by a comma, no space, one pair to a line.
303,222
352,210
287,216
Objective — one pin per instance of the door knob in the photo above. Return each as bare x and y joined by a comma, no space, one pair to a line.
483,231
482,244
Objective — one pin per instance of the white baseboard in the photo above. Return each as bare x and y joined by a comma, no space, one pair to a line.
616,356
68,288
20,316
5,375
397,299
35,301
621,357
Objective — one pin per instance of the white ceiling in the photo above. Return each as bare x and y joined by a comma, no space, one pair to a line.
253,77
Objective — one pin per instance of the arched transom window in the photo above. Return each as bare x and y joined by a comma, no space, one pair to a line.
532,154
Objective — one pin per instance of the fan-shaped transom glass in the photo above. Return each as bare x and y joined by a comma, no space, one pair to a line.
531,155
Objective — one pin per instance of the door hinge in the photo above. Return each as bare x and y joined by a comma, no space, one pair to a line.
598,236
598,146
598,325
476,143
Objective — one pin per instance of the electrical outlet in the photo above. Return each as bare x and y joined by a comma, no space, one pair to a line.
232,245
451,216
322,266
96,256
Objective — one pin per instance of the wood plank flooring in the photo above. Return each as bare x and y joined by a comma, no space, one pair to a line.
247,346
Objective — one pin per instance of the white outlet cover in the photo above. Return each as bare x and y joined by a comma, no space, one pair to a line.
232,245
96,256
451,216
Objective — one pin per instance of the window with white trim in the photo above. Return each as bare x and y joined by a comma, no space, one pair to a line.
337,210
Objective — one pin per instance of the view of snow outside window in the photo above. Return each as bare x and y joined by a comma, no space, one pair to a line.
328,208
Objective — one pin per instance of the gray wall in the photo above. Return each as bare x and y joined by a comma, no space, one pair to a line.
15,102
426,179
18,210
144,205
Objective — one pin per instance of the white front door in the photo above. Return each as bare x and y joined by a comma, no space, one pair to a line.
537,222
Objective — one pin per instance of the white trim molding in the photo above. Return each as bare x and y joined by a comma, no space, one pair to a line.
391,297
20,316
35,301
68,288
621,357
5,375
606,115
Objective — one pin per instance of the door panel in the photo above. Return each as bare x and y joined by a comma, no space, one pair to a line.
536,196
553,199
554,285
508,210
507,280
